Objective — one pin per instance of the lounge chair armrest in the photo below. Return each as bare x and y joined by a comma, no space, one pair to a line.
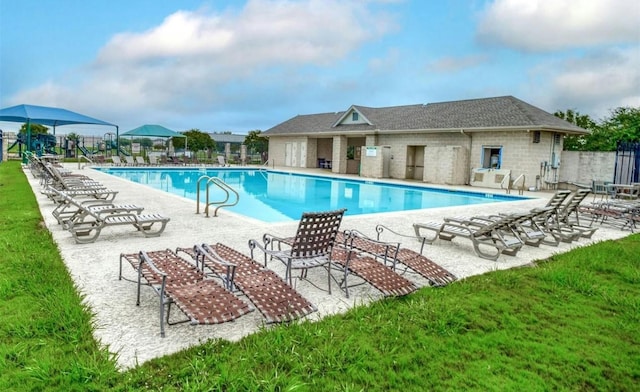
357,234
472,222
271,240
144,258
357,241
382,228
212,256
416,236
253,244
94,202
461,226
485,219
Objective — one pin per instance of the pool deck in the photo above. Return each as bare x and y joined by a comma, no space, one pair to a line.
132,332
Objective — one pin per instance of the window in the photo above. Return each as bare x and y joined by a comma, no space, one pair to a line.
556,138
491,157
354,116
536,136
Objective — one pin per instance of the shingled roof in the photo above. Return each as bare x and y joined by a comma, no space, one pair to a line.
506,113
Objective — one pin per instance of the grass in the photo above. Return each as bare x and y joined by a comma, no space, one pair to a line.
571,323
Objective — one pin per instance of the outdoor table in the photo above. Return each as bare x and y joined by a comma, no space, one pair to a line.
625,191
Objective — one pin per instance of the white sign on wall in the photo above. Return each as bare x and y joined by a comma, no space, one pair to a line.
371,151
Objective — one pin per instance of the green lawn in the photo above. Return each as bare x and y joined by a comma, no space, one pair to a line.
571,323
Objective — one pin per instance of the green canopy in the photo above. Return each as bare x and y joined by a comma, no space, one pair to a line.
152,131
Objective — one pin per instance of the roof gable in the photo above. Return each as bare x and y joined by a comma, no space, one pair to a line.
352,116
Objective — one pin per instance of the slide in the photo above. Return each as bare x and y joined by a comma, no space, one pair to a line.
14,144
85,151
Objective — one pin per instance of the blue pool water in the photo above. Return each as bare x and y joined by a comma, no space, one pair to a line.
273,196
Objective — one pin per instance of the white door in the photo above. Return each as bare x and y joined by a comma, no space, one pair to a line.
294,154
303,154
287,154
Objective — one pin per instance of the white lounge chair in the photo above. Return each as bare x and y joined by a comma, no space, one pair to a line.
222,161
88,224
116,160
489,239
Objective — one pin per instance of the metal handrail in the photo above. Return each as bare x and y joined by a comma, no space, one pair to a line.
266,163
506,178
80,157
228,190
521,188
512,184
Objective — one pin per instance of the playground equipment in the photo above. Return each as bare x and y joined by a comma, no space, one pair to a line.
111,144
40,143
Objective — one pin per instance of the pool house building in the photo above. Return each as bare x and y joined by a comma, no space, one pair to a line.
486,142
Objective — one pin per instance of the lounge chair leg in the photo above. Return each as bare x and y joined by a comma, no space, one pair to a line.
329,277
486,255
162,313
346,284
84,236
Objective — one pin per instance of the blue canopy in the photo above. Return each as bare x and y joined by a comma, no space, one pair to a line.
45,115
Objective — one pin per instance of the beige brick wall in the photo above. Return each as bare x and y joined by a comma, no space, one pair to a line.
446,165
443,159
399,143
307,150
519,153
339,158
585,166
301,155
372,163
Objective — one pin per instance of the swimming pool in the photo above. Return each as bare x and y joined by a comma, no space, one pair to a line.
274,196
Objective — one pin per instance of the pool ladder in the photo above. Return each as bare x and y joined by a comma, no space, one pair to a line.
220,184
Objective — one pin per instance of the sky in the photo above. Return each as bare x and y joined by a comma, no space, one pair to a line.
237,66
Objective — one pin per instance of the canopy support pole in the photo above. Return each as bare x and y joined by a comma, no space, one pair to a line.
28,141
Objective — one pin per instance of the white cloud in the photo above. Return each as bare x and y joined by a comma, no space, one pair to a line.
200,60
593,84
549,25
263,33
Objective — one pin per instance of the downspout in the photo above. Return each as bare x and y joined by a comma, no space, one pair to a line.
553,158
469,168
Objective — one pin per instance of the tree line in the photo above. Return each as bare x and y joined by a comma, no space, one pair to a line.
621,126
196,140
